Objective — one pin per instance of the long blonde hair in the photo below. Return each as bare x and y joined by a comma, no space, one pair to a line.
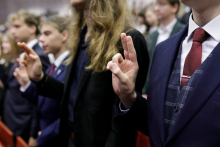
14,50
109,18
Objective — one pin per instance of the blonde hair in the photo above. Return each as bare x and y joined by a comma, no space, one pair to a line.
1,54
109,18
14,49
60,23
28,18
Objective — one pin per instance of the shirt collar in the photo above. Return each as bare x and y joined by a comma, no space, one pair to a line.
31,43
60,59
210,28
168,28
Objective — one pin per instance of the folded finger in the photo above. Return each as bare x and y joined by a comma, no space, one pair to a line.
117,72
117,58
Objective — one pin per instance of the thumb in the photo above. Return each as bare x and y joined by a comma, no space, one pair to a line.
117,71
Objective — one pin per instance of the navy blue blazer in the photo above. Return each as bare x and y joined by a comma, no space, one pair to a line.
199,121
18,112
47,111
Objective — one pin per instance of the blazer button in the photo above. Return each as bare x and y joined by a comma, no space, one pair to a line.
175,109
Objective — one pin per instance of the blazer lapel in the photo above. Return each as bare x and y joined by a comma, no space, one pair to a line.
202,91
154,40
59,70
170,57
85,75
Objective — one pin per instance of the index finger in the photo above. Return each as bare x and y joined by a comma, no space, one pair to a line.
24,47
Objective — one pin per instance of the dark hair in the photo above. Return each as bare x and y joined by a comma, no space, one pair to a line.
173,2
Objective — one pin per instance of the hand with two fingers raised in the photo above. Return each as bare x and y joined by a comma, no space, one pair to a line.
124,72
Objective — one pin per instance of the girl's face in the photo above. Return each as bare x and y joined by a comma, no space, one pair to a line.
150,17
6,46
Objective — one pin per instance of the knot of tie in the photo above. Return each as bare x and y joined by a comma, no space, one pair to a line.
200,35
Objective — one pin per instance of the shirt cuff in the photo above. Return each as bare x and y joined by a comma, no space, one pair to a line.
24,88
123,111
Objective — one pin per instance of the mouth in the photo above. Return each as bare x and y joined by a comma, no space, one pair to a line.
44,47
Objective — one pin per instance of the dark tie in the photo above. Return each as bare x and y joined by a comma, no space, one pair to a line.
52,69
194,57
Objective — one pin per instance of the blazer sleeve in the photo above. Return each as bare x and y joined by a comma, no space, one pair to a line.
35,123
30,93
50,87
49,133
136,116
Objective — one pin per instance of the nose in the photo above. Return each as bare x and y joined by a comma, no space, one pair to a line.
156,7
41,38
12,30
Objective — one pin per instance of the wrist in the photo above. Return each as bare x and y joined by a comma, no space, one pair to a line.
38,78
129,100
25,83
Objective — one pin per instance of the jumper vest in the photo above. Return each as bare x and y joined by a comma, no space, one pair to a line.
176,97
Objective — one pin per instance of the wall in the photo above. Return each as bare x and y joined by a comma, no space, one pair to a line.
36,6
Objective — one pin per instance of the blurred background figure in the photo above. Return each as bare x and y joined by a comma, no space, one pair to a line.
54,35
18,113
151,20
140,23
9,52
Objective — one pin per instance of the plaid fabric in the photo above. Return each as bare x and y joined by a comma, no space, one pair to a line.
176,98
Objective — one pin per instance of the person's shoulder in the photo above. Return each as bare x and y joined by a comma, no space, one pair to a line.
153,35
130,31
179,25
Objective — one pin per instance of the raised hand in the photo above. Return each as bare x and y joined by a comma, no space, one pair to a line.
124,72
32,63
21,74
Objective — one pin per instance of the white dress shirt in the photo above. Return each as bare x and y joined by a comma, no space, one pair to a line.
60,59
31,43
57,63
166,31
207,46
